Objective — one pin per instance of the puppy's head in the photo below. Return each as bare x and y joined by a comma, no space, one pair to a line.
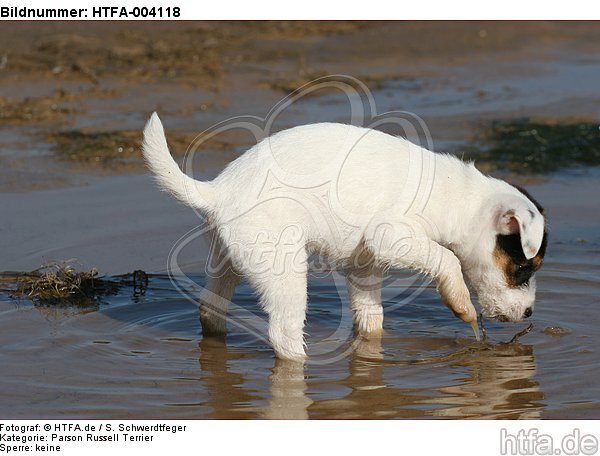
510,250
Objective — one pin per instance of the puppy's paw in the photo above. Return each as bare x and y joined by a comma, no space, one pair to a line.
457,298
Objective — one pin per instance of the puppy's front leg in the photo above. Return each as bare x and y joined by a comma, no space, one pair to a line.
364,292
452,287
410,249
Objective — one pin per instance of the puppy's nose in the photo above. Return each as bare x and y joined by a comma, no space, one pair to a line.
528,312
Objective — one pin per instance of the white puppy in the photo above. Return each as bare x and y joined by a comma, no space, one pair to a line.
368,201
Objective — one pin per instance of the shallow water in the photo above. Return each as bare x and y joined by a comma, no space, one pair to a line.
142,356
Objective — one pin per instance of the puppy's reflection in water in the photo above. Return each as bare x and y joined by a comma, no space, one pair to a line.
498,382
228,395
288,399
467,381
251,392
371,396
288,382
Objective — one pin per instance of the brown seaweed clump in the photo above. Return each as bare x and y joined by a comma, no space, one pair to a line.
60,283
49,108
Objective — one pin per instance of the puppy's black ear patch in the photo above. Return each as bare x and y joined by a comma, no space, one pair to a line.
510,245
509,256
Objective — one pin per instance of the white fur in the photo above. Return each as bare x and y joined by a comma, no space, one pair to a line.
368,201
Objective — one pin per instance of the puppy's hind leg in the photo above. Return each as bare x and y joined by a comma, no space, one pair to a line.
214,301
284,296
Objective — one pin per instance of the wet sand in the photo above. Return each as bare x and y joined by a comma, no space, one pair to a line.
103,78
143,356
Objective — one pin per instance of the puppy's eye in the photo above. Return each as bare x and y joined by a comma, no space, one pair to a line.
522,274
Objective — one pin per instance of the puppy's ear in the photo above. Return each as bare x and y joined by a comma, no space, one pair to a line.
515,215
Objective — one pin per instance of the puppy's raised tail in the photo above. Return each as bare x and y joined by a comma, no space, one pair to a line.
200,195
